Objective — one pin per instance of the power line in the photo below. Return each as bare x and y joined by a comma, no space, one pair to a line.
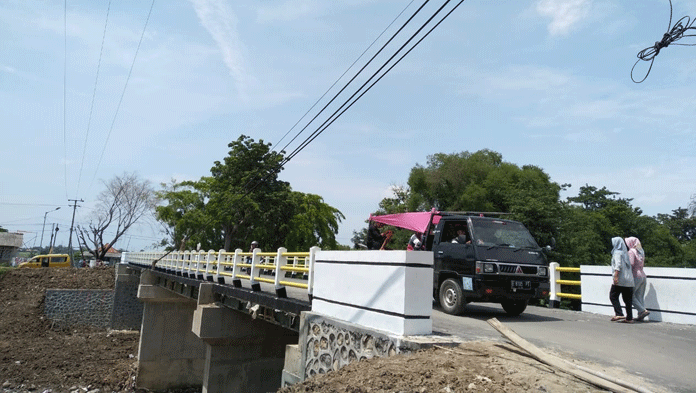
123,93
27,204
341,109
94,95
336,115
673,34
65,84
346,71
330,121
359,71
343,88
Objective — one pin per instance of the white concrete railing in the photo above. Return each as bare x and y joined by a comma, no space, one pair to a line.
281,268
391,291
668,295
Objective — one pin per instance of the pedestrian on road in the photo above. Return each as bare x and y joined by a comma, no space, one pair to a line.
637,257
623,281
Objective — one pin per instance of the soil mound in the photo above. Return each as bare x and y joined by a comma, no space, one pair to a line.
471,367
34,355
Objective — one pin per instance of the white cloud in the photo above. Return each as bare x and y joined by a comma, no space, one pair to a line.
220,21
565,14
287,11
8,69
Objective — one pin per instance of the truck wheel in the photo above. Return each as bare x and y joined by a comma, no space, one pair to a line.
452,297
514,307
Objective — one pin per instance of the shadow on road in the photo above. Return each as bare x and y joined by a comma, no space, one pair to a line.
484,312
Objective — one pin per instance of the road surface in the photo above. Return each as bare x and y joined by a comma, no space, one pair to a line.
659,352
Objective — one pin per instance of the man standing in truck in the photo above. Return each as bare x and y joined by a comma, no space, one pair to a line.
375,238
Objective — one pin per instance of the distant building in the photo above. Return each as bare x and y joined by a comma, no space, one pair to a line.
112,257
9,245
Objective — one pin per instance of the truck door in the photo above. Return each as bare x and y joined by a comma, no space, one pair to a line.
453,257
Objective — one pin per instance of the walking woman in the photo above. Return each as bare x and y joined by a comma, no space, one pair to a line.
637,257
623,281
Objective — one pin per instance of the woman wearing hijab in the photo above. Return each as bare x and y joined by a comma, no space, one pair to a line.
637,257
623,281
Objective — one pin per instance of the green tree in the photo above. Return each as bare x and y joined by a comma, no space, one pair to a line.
680,223
243,200
314,223
482,181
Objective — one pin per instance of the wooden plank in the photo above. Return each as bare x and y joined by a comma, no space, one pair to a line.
557,363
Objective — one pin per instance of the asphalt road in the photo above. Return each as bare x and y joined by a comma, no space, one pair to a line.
659,352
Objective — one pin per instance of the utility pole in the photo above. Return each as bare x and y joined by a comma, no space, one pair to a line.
54,236
44,226
72,223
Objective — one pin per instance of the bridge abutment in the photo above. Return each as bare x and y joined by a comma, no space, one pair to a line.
242,354
169,354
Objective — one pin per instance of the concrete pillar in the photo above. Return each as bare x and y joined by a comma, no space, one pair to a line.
169,355
242,354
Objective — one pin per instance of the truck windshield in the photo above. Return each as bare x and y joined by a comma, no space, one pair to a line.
502,233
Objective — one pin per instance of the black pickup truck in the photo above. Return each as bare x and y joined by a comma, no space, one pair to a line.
479,259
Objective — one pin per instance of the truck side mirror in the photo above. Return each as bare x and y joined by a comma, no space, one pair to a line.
552,246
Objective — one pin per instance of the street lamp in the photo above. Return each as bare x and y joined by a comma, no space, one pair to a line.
44,225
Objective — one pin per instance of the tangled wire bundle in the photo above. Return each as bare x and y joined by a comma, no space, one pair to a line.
673,34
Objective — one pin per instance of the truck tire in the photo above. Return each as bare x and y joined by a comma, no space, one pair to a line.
452,298
514,307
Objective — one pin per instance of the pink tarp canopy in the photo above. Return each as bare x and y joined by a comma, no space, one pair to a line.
415,221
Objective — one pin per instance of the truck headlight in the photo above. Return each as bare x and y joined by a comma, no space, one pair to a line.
542,271
489,268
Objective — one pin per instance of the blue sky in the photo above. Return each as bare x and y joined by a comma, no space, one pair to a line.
543,82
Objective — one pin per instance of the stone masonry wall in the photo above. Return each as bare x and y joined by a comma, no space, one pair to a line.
328,344
127,311
69,308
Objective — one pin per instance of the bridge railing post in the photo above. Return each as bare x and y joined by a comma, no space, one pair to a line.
280,260
178,263
209,263
255,258
554,276
187,262
310,279
216,276
201,262
237,260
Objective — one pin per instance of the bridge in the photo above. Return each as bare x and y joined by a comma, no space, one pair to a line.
10,243
236,321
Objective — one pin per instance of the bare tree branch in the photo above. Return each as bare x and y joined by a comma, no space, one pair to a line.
125,200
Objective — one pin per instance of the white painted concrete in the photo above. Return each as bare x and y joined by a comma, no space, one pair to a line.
668,296
386,290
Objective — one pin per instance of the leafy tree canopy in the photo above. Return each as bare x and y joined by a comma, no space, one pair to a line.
583,225
243,200
482,181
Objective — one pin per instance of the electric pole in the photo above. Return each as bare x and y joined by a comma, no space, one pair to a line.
74,206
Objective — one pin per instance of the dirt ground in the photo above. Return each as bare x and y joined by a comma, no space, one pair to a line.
471,367
35,357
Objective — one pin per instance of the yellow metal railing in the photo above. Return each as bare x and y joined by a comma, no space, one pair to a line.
556,282
282,268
